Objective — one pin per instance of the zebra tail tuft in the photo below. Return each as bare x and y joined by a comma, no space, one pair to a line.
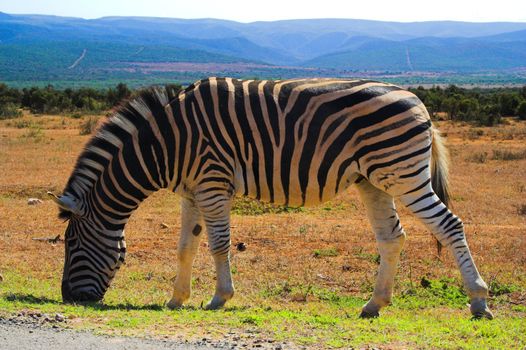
440,172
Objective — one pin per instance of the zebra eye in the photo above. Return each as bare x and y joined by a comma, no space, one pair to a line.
64,215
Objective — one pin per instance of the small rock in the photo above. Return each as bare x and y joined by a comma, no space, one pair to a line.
60,318
164,225
241,246
346,268
34,201
425,283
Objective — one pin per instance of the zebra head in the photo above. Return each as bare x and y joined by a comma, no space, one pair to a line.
93,254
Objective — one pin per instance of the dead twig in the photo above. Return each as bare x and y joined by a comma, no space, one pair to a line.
49,240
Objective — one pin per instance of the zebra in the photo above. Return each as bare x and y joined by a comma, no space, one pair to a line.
290,142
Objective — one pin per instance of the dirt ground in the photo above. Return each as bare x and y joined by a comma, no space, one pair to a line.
37,154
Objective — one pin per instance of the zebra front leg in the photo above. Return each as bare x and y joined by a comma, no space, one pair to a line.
390,239
191,227
449,231
216,212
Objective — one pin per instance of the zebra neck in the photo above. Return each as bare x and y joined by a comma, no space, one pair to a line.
130,157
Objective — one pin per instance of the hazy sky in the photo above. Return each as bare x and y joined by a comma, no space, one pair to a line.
248,11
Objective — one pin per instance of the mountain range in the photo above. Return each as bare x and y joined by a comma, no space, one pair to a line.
48,48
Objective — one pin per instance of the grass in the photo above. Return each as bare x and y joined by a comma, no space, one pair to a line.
431,317
305,272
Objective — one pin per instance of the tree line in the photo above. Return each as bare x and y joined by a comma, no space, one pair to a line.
482,106
48,100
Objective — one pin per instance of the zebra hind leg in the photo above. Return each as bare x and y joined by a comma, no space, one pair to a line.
449,231
390,239
191,227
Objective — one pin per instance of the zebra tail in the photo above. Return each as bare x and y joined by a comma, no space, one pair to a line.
440,172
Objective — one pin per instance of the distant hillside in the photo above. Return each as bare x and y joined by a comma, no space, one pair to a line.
427,54
49,48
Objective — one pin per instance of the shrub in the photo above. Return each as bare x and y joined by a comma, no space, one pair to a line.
508,155
478,157
521,111
88,126
9,111
34,132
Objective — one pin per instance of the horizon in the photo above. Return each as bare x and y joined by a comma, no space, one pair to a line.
239,11
256,21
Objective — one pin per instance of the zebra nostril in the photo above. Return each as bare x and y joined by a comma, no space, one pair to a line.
88,297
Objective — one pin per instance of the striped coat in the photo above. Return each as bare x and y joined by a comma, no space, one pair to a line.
291,142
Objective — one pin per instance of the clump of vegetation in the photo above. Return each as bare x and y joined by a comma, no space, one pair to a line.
508,155
9,111
34,133
478,157
323,253
247,206
474,134
22,124
497,288
445,291
88,126
521,111
522,209
498,154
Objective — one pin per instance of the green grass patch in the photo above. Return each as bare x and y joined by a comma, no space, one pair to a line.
428,316
325,253
247,206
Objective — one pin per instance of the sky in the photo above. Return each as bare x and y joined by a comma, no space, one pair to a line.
268,10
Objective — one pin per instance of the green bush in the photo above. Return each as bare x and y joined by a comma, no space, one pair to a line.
9,111
521,111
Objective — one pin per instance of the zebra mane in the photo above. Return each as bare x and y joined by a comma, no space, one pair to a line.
130,111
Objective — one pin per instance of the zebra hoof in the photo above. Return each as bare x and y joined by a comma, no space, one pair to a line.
479,309
215,303
369,314
174,304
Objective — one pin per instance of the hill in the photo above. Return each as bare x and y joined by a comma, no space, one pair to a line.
36,48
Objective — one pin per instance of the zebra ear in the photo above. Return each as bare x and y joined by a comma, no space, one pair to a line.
65,203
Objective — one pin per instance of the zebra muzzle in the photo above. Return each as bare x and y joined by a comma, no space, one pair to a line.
70,296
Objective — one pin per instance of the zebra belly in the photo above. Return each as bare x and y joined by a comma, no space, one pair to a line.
312,195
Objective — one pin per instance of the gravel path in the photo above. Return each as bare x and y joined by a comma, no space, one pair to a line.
36,331
33,337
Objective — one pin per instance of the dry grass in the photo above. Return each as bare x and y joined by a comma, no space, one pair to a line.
329,248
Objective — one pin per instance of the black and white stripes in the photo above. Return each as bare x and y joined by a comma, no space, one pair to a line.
291,142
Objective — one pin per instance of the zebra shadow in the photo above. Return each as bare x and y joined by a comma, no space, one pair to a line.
101,306
40,300
29,299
